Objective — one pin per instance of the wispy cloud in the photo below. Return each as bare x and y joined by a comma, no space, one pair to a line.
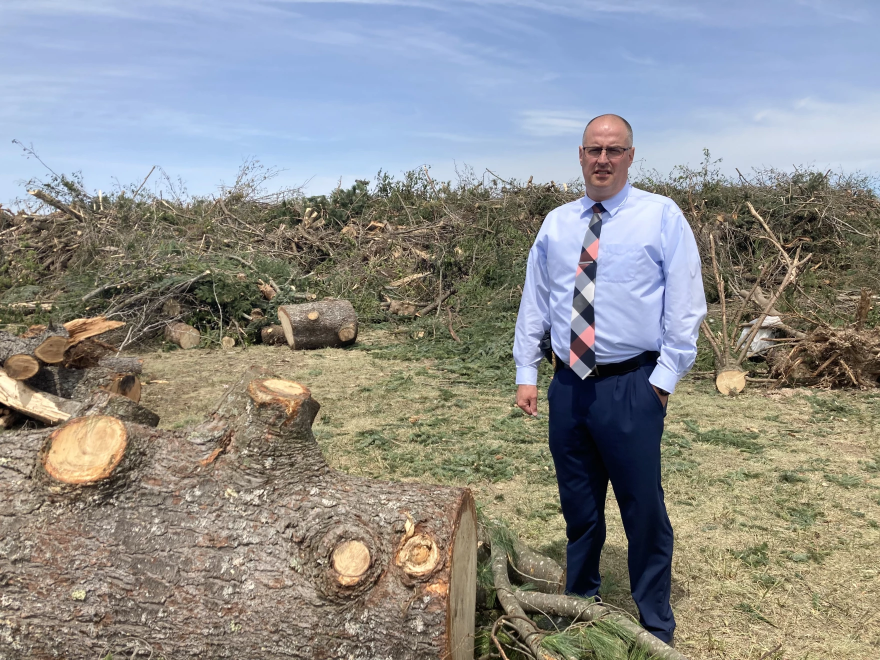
553,123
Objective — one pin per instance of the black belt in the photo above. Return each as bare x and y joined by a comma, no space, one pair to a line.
615,368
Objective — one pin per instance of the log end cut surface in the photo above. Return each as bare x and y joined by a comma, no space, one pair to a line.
21,367
52,350
86,449
275,391
730,381
462,602
350,560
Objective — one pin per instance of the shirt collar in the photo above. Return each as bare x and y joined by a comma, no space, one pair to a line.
612,205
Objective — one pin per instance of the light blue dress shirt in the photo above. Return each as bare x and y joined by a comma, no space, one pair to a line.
649,289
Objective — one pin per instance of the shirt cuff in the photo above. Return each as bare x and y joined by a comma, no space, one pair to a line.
664,378
526,375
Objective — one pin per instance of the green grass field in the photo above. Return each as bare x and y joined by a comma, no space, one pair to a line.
774,495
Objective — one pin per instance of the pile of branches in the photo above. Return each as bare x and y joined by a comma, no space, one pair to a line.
538,621
815,353
398,249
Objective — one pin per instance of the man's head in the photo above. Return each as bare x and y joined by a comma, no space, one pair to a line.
606,153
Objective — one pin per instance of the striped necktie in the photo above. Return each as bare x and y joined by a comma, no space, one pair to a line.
582,357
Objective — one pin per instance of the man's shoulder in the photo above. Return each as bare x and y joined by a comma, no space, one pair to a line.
649,198
571,209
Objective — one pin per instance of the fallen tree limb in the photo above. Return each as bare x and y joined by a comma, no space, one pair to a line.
579,609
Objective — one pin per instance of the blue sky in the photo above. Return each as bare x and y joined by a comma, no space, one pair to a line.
325,89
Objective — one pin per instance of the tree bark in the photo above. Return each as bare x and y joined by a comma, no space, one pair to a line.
321,324
234,540
183,335
273,335
80,383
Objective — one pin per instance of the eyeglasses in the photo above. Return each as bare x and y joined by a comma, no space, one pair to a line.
613,153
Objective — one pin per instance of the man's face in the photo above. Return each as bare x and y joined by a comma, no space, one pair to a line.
604,177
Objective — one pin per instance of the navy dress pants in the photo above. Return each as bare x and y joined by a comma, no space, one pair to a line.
609,428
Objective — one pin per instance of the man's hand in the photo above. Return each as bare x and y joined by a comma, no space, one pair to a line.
663,397
527,399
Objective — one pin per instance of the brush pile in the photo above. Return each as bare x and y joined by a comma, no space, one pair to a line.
438,260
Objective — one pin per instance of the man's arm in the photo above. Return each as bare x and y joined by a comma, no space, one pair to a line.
531,323
684,302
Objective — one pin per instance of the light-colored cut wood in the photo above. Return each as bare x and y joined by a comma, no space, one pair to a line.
127,385
350,560
86,449
227,343
462,601
80,329
347,333
21,367
39,405
730,381
419,556
314,316
51,351
182,334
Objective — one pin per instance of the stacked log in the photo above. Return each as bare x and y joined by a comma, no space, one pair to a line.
50,373
234,540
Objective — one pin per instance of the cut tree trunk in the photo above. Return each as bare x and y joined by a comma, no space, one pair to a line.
322,324
235,540
182,334
21,366
273,335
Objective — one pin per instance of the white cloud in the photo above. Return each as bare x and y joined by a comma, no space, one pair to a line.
553,123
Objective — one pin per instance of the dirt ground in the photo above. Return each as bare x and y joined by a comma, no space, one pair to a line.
774,495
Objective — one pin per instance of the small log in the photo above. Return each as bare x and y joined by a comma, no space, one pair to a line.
45,407
273,335
47,347
227,342
21,366
182,334
730,381
323,324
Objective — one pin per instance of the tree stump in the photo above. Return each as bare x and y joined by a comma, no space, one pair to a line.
234,540
182,334
322,324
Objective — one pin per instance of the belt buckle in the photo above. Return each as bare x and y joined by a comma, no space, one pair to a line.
594,373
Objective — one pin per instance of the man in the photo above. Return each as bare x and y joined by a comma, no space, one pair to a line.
615,277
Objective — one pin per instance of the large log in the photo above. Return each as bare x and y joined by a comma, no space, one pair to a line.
322,324
234,540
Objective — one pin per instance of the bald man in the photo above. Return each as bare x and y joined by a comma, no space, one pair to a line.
614,279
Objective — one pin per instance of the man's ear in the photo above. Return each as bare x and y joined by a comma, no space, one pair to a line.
581,155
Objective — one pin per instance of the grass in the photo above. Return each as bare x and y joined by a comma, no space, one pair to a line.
778,514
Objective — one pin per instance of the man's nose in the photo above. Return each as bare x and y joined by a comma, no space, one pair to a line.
603,158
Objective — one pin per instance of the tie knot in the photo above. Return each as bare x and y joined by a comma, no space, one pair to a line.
598,208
